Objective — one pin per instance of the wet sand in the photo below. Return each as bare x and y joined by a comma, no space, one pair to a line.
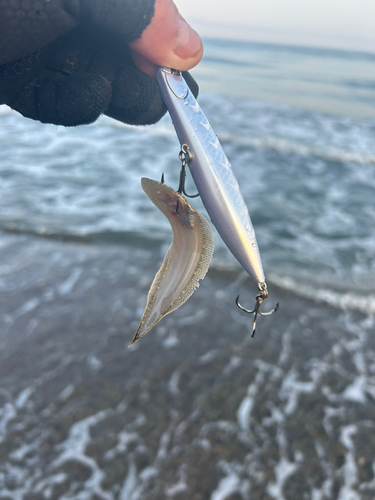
197,409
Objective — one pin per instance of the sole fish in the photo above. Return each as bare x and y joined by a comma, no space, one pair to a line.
186,261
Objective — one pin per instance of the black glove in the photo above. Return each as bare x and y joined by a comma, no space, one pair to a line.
84,73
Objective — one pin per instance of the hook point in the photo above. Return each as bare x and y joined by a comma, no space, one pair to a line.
256,311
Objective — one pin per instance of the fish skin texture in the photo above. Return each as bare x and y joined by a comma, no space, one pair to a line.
186,261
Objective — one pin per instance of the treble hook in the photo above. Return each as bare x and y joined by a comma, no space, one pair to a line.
185,156
262,295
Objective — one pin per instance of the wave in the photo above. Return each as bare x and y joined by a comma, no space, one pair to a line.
285,146
308,144
335,298
129,238
322,52
279,145
346,301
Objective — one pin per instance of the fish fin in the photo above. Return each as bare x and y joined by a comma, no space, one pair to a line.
203,265
151,297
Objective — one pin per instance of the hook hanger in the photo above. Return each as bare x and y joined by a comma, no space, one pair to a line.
185,156
262,295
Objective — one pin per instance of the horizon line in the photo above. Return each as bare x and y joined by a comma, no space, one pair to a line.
282,36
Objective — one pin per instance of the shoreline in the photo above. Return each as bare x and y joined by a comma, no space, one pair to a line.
196,408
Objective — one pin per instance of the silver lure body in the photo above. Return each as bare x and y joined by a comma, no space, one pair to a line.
212,173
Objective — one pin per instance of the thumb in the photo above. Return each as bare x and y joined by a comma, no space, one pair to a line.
167,41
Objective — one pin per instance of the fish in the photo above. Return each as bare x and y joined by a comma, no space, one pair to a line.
186,261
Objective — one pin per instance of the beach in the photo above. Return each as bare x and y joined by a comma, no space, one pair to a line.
196,409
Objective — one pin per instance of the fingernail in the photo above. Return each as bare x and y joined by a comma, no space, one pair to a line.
188,42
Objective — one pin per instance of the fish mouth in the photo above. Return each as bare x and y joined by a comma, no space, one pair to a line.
148,184
153,189
163,196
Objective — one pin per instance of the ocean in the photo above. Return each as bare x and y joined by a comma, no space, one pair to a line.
298,126
82,417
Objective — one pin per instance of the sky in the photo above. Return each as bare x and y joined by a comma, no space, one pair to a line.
346,24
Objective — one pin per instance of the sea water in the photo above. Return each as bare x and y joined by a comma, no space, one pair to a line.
197,409
298,126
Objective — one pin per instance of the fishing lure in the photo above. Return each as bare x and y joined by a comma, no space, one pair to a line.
186,261
213,176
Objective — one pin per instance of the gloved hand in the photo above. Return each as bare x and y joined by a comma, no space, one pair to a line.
89,70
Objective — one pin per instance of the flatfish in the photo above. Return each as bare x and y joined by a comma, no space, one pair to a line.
186,261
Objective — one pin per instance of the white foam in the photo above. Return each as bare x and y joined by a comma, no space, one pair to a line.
222,425
73,449
227,486
247,404
21,482
289,146
171,341
148,473
163,445
23,397
191,319
326,489
356,391
27,307
350,469
124,438
208,356
233,481
7,413
345,301
174,489
66,393
173,383
67,286
283,470
94,363
22,451
292,387
45,486
244,411
129,488
234,363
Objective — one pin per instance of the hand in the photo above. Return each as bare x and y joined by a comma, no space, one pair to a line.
168,41
90,70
